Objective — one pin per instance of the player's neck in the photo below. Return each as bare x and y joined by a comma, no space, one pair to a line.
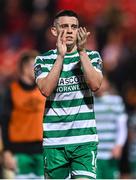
27,80
71,49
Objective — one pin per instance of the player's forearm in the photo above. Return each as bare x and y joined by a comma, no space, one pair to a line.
122,129
117,151
49,83
92,77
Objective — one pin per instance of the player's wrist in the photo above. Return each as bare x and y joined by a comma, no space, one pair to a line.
61,55
82,50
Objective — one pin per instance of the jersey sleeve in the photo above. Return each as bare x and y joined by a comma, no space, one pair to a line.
96,60
121,119
41,69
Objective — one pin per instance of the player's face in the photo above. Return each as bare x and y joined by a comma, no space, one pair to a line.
70,25
29,69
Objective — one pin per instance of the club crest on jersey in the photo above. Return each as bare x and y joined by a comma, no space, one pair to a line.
99,64
38,70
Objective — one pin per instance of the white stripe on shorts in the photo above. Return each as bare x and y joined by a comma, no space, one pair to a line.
83,173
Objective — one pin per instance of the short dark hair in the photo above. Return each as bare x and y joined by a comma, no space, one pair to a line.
25,57
69,13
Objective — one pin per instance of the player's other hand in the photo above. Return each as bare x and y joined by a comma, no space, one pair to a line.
117,151
61,43
82,38
9,160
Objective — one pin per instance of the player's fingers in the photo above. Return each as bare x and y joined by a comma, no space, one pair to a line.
84,32
81,33
78,37
64,36
84,29
88,34
60,36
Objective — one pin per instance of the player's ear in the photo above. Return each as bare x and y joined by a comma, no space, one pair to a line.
54,31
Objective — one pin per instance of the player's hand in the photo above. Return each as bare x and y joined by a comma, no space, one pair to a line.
9,160
82,38
117,151
61,43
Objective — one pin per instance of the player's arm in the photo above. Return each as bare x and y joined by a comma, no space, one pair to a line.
121,135
7,107
49,83
93,78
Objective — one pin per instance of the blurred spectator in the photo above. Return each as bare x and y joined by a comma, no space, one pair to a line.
124,76
1,157
111,19
45,5
132,144
91,43
111,122
21,120
40,5
15,18
113,50
38,24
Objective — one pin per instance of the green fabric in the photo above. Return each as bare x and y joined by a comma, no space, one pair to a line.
108,110
70,100
133,169
76,161
107,169
30,164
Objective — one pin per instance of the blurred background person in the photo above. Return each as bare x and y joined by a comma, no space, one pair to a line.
21,120
132,144
111,120
1,155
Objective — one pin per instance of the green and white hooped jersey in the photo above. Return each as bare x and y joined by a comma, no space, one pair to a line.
69,115
108,110
132,142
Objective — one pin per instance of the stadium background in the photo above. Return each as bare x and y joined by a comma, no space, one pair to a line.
112,23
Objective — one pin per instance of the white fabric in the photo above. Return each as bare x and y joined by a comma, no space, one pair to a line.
122,129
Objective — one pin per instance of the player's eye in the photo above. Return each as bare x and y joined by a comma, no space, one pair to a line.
74,26
63,26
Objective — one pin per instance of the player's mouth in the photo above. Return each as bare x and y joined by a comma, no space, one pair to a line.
69,38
